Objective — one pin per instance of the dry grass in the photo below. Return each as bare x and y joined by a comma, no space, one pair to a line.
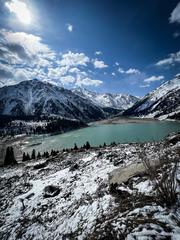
163,175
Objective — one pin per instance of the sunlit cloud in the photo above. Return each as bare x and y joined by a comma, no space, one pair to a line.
99,64
98,53
25,56
172,59
175,15
69,27
20,9
74,59
129,71
153,79
133,71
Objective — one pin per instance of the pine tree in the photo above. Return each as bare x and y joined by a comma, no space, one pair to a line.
9,157
88,145
47,155
75,147
28,157
104,145
24,157
33,156
39,155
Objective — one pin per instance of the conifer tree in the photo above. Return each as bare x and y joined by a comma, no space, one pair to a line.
88,145
28,157
9,157
39,155
24,157
75,147
33,156
47,155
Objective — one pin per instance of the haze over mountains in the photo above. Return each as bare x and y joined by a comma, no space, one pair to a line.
34,97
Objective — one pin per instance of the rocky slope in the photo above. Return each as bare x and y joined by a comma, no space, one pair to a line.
163,102
117,101
69,197
37,98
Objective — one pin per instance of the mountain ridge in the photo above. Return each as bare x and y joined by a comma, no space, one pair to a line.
112,100
162,103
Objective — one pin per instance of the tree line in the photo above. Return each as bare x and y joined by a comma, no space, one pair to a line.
11,160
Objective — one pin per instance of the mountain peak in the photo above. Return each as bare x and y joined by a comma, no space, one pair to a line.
111,100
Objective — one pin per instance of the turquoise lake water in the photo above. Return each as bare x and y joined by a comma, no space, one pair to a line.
98,134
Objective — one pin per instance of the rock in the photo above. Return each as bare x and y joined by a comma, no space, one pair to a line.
99,154
40,165
118,162
122,175
51,191
174,139
74,167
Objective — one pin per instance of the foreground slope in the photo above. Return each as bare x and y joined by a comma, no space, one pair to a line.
163,102
34,97
84,207
111,100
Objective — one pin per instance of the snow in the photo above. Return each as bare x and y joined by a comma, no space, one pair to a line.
151,105
86,184
84,203
32,96
118,101
144,187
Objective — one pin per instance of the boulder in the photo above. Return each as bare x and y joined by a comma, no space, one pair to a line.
74,167
51,191
174,139
40,165
122,175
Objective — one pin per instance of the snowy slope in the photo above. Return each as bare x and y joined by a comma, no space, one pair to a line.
161,103
118,101
85,208
34,97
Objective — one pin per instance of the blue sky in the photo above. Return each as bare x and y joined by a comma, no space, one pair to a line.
106,46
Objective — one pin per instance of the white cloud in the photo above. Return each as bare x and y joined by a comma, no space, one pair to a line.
99,64
175,15
25,56
116,63
129,71
145,85
98,53
171,60
33,46
74,70
132,71
56,73
67,80
74,59
88,82
120,70
166,61
20,9
69,27
153,79
113,74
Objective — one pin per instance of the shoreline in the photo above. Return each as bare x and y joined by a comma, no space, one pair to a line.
124,120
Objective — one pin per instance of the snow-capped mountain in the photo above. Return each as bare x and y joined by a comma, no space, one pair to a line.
117,101
34,97
163,102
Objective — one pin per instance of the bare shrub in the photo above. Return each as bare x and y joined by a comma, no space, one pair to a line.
163,175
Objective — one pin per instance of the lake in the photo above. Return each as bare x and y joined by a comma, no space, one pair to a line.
97,134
